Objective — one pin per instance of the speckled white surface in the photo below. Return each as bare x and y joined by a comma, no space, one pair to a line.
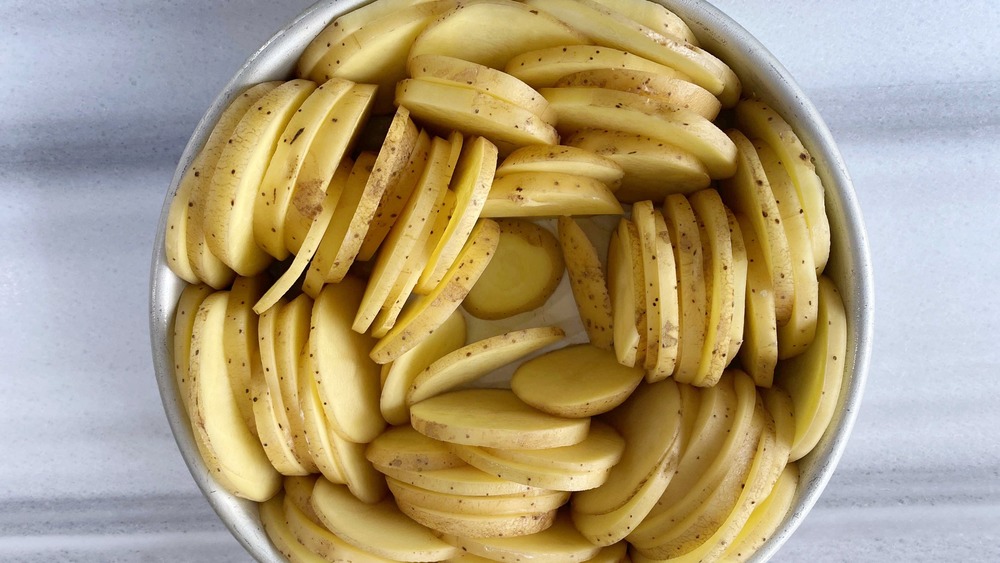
97,100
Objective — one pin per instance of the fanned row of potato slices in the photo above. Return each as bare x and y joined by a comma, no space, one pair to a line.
514,298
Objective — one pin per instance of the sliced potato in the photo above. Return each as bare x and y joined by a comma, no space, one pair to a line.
740,265
627,289
766,517
587,281
184,316
466,504
463,480
240,341
525,30
645,227
544,67
405,448
272,517
682,227
478,525
560,543
494,418
599,451
576,381
549,194
299,490
653,169
670,321
327,246
617,553
175,239
556,479
475,360
319,436
291,334
654,16
315,537
673,93
272,433
562,159
524,272
759,353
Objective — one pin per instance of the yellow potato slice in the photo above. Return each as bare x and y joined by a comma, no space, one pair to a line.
575,382
669,305
315,424
672,93
599,451
759,353
272,516
405,448
478,525
657,257
272,433
232,455
462,480
471,184
795,335
290,337
587,281
717,248
653,16
627,288
318,539
348,380
650,423
601,108
562,159
556,479
610,28
549,194
336,139
653,169
205,265
449,106
229,203
240,342
617,553
523,503
740,265
524,272
682,226
749,194
814,378
765,518
276,189
327,246
542,68
759,121
422,317
470,362
175,240
494,418
299,491
524,30
560,543
184,316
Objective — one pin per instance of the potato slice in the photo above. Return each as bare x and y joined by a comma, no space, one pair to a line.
549,194
661,91
348,380
523,274
422,317
653,169
522,503
494,418
240,341
232,455
766,517
564,160
645,225
626,289
463,480
315,424
475,360
402,372
599,451
749,194
315,537
556,479
272,517
272,433
682,226
650,423
814,378
588,108
759,121
617,553
587,281
740,265
449,106
560,543
542,68
175,239
229,203
666,360
291,334
575,382
276,189
607,27
759,353
524,30
184,316
478,525
795,335
405,448
653,16
299,491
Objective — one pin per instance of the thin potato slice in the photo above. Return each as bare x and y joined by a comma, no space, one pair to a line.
240,341
478,525
327,246
549,194
556,479
617,553
542,68
562,159
766,517
645,230
493,418
422,317
463,480
175,240
560,543
482,505
599,451
272,517
759,353
670,322
475,360
315,537
740,265
654,16
587,281
315,424
405,448
184,316
291,334
625,296
299,490
524,30
653,169
524,272
682,227
271,432
673,93
575,382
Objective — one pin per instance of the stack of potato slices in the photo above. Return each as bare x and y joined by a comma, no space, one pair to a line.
552,311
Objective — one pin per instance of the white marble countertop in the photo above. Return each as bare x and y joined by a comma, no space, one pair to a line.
97,100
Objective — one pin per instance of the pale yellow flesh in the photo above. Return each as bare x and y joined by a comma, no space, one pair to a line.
272,517
556,479
477,359
175,243
291,332
184,317
544,67
759,352
588,283
549,194
654,16
315,424
463,480
576,381
670,322
766,518
240,341
315,537
478,525
645,224
272,432
560,543
683,229
740,265
624,299
563,159
481,505
327,246
405,448
673,93
299,491
600,450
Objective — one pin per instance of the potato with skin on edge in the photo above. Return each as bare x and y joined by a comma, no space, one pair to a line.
405,448
544,67
468,504
461,480
562,159
549,194
600,450
627,289
560,543
588,283
673,93
478,525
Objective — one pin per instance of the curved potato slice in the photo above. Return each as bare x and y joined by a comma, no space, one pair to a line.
556,479
549,194
563,159
673,93
544,67
467,504
560,543
315,537
682,226
588,283
654,16
405,448
184,316
759,353
600,450
272,517
627,289
462,480
478,525
740,265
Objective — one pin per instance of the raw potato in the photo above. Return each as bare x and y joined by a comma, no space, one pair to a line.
673,93
560,543
477,505
240,342
682,227
759,353
653,168
475,360
766,518
549,194
546,477
575,382
315,537
478,525
273,433
587,280
562,159
377,528
316,270
653,16
740,265
319,438
544,67
645,230
405,448
524,30
523,274
670,322
184,316
493,418
272,517
814,378
626,289
462,480
599,451
299,491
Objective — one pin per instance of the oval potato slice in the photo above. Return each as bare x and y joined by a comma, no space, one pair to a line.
587,281
542,68
673,93
315,537
299,491
766,518
272,517
549,194
240,341
478,525
315,424
556,479
759,353
627,290
600,450
185,313
523,503
562,159
405,448
740,264
462,480
655,17
682,226
560,543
